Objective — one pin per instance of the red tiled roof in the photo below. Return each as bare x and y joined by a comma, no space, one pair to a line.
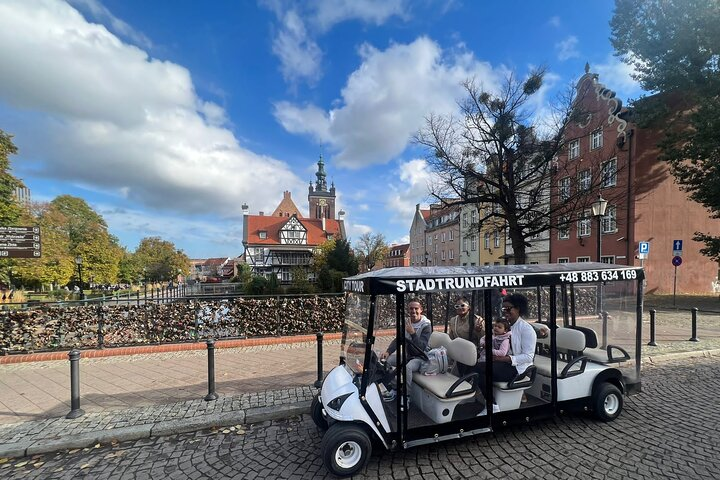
273,225
214,261
425,213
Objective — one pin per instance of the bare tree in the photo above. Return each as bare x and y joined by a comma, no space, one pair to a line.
370,249
501,154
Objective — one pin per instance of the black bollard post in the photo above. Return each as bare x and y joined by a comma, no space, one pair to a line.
75,410
652,329
137,298
604,329
694,337
319,381
101,328
211,371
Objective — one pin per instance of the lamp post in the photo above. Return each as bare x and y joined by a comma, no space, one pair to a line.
427,257
598,210
78,262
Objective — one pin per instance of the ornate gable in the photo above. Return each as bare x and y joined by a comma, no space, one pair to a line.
293,232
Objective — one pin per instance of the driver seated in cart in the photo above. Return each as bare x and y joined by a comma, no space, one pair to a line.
417,331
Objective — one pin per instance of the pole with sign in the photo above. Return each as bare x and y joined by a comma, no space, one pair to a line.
676,261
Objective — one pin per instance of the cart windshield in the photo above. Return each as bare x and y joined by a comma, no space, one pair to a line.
357,315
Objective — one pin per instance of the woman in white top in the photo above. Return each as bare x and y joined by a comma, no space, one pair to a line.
522,343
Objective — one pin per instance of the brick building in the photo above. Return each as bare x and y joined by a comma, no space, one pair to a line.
610,155
397,256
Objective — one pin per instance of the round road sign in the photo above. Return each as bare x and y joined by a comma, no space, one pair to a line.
677,261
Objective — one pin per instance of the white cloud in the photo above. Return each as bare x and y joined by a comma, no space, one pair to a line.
100,12
120,121
386,100
327,13
567,49
617,76
308,119
554,21
299,55
301,22
415,181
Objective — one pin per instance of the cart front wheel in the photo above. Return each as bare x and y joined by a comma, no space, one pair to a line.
607,402
345,449
316,413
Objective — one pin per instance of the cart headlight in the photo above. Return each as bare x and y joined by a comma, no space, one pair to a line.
338,402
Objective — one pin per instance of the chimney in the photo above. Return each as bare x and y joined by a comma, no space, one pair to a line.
245,209
286,194
262,214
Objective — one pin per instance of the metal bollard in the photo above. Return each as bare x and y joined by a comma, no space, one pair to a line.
693,312
652,329
211,371
604,329
101,328
75,410
319,381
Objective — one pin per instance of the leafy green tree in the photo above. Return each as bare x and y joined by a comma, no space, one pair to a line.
674,47
160,259
335,264
370,249
300,282
89,239
9,209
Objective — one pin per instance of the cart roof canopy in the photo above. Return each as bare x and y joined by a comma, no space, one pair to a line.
438,279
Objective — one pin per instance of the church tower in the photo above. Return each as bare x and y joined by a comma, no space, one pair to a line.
320,200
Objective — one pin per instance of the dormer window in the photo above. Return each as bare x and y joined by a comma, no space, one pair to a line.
262,234
330,236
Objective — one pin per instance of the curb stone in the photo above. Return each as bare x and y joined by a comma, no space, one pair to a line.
652,359
159,429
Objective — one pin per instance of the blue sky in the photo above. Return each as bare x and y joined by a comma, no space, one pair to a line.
167,115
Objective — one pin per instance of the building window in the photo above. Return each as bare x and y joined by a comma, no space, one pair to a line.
473,243
563,260
609,221
465,245
582,259
285,276
497,239
429,240
486,241
584,180
609,173
442,255
564,228
262,234
596,139
564,188
451,254
607,259
443,237
583,224
451,236
574,150
473,216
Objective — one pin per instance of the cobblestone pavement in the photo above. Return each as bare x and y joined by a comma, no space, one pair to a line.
671,430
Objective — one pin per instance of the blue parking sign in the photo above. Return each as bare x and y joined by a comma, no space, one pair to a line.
644,247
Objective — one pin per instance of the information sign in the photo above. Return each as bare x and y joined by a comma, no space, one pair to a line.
20,242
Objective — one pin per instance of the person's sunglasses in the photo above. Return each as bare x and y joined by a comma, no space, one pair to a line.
506,309
460,305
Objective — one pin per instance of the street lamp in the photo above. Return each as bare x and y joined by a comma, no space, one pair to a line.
598,210
427,256
78,262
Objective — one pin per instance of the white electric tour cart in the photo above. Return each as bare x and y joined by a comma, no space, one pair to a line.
590,313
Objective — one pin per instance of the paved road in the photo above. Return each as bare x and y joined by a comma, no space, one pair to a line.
672,430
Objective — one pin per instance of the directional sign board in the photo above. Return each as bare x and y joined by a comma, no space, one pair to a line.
20,242
677,261
677,248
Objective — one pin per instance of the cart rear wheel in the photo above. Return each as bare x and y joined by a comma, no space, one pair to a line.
316,413
607,402
345,449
